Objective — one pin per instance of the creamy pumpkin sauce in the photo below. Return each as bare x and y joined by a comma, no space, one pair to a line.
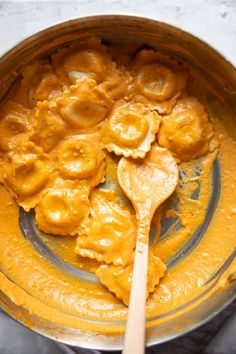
62,131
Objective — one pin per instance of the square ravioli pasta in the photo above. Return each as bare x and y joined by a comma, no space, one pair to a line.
158,80
118,279
108,234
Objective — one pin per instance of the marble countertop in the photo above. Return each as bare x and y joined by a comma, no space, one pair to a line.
214,21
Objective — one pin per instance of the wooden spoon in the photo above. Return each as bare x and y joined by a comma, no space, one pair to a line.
147,183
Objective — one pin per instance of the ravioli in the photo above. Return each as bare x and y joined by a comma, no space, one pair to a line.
62,207
28,170
186,132
15,125
82,157
157,85
118,279
118,83
108,234
89,59
48,88
39,83
130,130
50,127
84,104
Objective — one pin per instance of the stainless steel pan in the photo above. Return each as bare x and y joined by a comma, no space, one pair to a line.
194,52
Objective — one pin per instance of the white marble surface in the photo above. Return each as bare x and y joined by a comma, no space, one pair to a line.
212,20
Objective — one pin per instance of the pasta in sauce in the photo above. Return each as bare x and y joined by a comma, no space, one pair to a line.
62,122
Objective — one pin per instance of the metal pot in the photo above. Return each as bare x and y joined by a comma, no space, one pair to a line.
179,44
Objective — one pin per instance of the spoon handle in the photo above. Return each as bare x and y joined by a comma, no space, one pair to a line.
135,327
